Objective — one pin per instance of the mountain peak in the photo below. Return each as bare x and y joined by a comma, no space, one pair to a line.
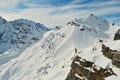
20,32
2,20
23,20
93,22
80,44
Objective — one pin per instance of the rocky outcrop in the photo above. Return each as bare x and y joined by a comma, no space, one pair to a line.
82,69
117,35
116,60
114,55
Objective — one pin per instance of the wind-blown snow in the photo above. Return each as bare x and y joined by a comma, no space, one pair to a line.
50,58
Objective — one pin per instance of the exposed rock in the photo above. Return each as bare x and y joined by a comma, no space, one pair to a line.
87,70
117,35
114,55
116,60
100,40
72,23
113,24
57,27
82,29
35,39
75,50
107,52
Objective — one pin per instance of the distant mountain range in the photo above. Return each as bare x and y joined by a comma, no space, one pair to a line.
17,35
20,33
84,49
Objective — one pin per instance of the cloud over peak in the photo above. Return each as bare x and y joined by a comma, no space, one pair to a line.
58,12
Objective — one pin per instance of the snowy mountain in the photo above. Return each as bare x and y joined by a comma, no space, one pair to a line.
16,36
54,56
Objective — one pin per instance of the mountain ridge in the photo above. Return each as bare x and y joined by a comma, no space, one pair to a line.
51,57
17,35
11,32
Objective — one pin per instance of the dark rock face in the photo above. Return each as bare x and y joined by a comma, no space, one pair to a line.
116,60
82,69
114,55
107,51
117,35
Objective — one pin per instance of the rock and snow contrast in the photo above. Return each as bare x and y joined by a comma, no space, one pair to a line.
85,49
16,36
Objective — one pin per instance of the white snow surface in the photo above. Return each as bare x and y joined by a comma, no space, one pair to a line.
51,57
16,36
20,33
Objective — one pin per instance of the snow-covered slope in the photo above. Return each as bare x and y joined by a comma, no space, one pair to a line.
50,58
16,36
19,32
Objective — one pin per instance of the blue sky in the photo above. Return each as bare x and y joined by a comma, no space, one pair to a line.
59,12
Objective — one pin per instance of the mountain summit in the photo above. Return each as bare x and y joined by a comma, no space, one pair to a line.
82,50
19,33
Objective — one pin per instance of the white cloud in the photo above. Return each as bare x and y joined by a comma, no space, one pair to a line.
42,14
7,4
